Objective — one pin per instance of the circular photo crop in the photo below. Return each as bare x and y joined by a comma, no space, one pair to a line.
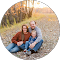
29,29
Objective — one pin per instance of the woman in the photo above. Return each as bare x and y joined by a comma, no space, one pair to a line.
18,41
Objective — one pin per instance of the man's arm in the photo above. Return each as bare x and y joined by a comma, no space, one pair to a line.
39,35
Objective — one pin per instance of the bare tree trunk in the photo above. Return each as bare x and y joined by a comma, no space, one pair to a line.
10,18
21,12
15,14
4,21
30,9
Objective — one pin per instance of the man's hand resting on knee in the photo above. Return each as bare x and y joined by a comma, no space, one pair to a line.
32,45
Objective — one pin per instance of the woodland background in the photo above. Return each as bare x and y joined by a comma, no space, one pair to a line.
19,11
18,15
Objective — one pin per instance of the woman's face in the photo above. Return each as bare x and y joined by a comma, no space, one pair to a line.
24,29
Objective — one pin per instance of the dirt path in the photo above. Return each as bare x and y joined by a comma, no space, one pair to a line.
50,35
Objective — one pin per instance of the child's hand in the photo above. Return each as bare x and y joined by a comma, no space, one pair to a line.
32,45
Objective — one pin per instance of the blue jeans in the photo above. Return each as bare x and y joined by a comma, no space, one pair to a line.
14,48
37,46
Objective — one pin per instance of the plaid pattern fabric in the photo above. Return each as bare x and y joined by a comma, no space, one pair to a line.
31,39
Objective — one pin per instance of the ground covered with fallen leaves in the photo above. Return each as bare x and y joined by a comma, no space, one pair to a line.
50,34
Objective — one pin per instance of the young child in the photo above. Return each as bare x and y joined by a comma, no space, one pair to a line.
32,38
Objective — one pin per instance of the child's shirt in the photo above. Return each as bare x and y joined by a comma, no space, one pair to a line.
31,39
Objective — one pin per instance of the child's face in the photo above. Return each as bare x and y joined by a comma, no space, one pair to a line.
33,34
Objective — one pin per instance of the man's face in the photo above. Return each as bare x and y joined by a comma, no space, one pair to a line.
32,24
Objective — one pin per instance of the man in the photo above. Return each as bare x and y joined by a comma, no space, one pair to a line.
38,42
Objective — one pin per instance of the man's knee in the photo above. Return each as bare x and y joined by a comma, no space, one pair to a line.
41,41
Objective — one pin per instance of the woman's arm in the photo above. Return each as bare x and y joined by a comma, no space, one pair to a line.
14,39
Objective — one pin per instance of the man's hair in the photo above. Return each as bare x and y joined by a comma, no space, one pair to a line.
33,21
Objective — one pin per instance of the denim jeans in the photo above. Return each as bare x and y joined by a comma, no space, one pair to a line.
14,48
37,46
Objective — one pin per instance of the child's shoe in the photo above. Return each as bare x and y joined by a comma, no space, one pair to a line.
25,51
28,52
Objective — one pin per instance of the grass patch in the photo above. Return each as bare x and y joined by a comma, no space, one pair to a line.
51,15
35,16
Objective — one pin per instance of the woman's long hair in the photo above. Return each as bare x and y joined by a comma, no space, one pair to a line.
22,34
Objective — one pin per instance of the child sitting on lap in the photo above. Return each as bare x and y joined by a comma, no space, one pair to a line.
32,38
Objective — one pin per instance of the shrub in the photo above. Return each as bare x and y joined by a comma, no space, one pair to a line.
14,22
8,24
